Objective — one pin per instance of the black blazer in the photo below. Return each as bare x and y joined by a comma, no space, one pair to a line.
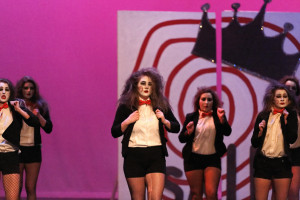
123,112
289,130
221,130
12,133
47,128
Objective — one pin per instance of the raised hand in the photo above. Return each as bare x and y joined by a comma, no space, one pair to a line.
133,117
190,127
261,127
160,115
221,114
285,115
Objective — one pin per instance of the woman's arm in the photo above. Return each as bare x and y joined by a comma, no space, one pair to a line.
257,139
121,121
186,135
25,113
292,127
169,121
44,119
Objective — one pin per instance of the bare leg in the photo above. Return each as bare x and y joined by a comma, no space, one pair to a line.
137,188
32,172
11,183
281,187
155,185
212,178
262,187
195,180
295,185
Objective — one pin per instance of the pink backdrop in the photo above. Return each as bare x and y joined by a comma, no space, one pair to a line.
70,48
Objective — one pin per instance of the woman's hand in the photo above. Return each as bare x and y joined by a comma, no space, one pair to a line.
36,111
221,114
285,115
261,127
160,115
133,117
190,128
16,105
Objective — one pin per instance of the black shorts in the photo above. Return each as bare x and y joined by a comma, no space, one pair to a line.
272,168
9,163
142,161
30,154
295,155
199,161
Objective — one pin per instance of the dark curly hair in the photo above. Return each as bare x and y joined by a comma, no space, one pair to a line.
202,90
130,94
11,88
268,100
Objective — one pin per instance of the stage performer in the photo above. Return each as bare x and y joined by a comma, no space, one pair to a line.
203,132
30,142
274,130
12,114
142,115
293,85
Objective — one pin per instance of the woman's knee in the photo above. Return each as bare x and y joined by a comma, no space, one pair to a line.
30,188
211,193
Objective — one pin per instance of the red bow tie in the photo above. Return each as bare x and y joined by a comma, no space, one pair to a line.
206,114
141,102
275,111
5,105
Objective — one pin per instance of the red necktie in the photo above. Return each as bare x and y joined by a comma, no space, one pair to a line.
5,105
206,114
275,111
141,102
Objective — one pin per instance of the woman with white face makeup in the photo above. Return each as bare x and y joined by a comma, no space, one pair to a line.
30,142
203,131
142,115
274,130
12,113
292,84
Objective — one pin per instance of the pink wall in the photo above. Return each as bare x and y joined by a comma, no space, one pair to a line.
70,48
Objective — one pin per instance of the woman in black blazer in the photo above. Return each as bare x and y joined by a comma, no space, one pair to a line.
12,114
203,132
292,84
142,115
274,130
30,142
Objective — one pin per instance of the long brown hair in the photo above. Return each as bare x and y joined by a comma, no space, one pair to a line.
130,94
36,98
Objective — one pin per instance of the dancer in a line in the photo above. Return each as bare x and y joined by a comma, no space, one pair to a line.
292,84
30,142
203,132
142,115
274,130
12,114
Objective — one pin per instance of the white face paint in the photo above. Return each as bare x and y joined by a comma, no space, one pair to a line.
28,90
145,87
4,92
281,99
